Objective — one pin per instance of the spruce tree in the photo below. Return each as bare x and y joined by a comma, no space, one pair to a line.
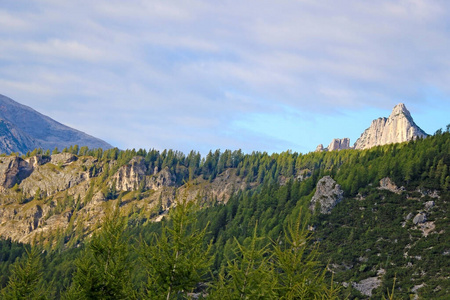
249,275
25,280
176,260
104,270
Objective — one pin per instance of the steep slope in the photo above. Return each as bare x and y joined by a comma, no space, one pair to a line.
26,125
12,139
398,128
384,211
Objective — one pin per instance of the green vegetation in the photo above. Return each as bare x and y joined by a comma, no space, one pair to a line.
263,242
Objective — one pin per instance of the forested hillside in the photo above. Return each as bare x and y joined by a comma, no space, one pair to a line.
388,233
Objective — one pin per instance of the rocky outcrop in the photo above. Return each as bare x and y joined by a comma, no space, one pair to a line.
319,148
335,145
62,159
38,160
161,179
339,144
56,176
328,194
13,170
130,176
398,128
366,286
420,218
387,184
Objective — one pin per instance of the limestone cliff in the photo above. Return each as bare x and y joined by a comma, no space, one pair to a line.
42,195
339,144
335,145
398,128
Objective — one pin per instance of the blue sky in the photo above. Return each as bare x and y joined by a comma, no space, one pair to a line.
251,75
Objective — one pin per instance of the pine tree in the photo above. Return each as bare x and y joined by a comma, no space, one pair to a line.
299,275
104,271
25,280
249,275
176,260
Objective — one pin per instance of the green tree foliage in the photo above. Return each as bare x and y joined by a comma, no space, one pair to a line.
25,280
298,268
103,271
177,259
288,268
249,275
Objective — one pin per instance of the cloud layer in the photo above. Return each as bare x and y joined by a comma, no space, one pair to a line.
256,75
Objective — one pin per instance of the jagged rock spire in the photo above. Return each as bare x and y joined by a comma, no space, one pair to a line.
398,128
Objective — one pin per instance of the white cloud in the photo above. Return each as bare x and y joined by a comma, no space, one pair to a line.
192,70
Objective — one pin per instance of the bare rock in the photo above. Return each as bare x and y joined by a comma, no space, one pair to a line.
163,178
53,178
13,170
38,160
63,158
367,285
328,194
130,176
339,144
398,128
420,218
429,205
387,184
319,148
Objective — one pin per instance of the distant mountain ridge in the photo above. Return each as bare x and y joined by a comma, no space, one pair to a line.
399,127
23,129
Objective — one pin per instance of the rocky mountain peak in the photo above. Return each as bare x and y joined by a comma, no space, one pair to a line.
398,128
400,109
23,129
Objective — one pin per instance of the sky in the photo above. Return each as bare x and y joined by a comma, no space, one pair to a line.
204,75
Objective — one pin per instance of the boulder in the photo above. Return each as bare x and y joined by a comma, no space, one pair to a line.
387,184
328,194
420,218
429,205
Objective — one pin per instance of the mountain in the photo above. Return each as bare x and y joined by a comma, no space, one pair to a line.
23,129
398,128
12,139
380,214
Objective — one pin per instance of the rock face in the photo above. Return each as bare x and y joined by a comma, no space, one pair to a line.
387,184
335,145
398,128
12,139
420,218
23,129
339,144
13,170
319,148
367,285
130,176
328,194
40,195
